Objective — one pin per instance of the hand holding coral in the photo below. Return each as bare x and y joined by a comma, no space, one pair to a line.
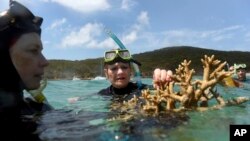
161,77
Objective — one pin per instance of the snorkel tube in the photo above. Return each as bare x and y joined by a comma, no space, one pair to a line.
137,76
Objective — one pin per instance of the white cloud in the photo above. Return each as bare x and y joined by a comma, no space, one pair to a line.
82,37
222,37
201,38
87,37
127,4
230,28
215,35
143,18
85,6
132,35
107,43
58,23
44,0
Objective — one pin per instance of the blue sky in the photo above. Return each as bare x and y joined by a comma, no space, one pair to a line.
74,29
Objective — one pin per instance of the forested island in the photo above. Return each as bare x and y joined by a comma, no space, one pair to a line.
168,58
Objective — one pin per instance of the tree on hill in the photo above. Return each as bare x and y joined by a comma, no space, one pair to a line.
168,58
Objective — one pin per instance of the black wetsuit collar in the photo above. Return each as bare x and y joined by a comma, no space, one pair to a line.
127,90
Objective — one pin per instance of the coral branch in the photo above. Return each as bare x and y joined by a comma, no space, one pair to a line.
192,94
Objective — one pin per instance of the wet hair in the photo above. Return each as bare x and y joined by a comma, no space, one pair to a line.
14,22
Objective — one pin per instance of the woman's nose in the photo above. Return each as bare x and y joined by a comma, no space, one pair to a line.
44,61
120,70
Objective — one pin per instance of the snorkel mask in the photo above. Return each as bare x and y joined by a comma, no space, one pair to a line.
239,66
118,55
18,20
112,55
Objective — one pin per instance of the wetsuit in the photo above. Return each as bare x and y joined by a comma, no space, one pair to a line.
123,93
18,116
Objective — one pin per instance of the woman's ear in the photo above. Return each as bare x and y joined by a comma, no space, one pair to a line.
131,73
106,73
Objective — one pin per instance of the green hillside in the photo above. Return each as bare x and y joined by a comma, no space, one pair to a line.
168,58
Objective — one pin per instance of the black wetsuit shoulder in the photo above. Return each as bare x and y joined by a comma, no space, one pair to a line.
123,93
17,116
129,89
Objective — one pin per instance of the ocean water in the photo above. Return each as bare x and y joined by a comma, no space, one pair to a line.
90,117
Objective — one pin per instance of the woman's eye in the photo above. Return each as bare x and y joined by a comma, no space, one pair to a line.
116,68
34,51
113,69
124,67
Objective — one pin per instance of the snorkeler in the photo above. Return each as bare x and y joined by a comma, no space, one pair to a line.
22,68
118,71
239,70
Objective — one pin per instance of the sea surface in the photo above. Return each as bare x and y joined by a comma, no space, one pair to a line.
91,119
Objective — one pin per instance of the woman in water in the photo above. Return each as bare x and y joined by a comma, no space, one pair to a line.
22,68
118,70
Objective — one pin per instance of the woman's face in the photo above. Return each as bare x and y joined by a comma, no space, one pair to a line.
26,55
241,74
118,74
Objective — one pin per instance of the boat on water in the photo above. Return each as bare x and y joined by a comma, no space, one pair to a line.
99,78
76,78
